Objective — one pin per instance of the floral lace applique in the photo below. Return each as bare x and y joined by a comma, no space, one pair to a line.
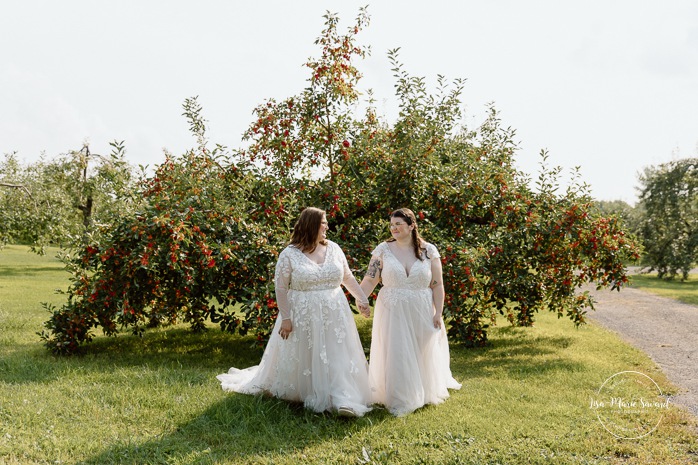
340,333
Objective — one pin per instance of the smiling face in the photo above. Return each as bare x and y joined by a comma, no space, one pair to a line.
400,230
322,233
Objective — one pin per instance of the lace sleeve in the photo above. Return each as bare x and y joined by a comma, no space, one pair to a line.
282,281
350,282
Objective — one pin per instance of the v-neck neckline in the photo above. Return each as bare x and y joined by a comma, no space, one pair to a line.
408,272
327,251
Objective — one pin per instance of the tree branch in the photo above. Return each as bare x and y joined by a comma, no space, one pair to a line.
17,186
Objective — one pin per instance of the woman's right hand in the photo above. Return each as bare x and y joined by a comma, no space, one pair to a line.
364,309
286,328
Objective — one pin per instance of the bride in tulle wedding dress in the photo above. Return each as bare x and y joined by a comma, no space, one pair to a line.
314,354
409,362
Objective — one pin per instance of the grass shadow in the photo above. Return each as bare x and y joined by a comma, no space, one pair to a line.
514,351
30,270
156,349
160,348
238,429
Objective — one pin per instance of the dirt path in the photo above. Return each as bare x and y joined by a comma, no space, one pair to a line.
665,329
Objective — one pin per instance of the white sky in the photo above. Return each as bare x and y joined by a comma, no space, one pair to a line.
608,85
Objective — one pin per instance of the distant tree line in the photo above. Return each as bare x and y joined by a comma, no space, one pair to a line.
61,200
665,218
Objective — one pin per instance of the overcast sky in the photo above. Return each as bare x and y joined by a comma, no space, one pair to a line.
607,85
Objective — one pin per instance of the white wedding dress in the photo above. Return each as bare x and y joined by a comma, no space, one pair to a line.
409,362
322,363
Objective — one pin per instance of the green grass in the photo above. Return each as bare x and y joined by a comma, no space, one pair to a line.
155,400
683,291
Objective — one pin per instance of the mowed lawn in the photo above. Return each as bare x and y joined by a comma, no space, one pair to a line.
155,400
683,291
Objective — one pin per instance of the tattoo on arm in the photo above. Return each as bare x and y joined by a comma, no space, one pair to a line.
374,269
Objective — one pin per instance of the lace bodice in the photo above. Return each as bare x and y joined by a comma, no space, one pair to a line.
394,275
296,272
303,274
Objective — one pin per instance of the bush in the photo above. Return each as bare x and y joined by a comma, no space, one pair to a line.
212,224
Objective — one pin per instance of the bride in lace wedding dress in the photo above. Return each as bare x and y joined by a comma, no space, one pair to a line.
409,363
314,354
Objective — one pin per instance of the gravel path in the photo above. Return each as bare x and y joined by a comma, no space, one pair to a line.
663,328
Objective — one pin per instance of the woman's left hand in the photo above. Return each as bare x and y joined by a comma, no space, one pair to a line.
364,309
286,328
437,321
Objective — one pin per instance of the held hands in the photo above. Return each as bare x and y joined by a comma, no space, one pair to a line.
364,309
286,328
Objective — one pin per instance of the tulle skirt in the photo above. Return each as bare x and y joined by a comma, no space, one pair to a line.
410,361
